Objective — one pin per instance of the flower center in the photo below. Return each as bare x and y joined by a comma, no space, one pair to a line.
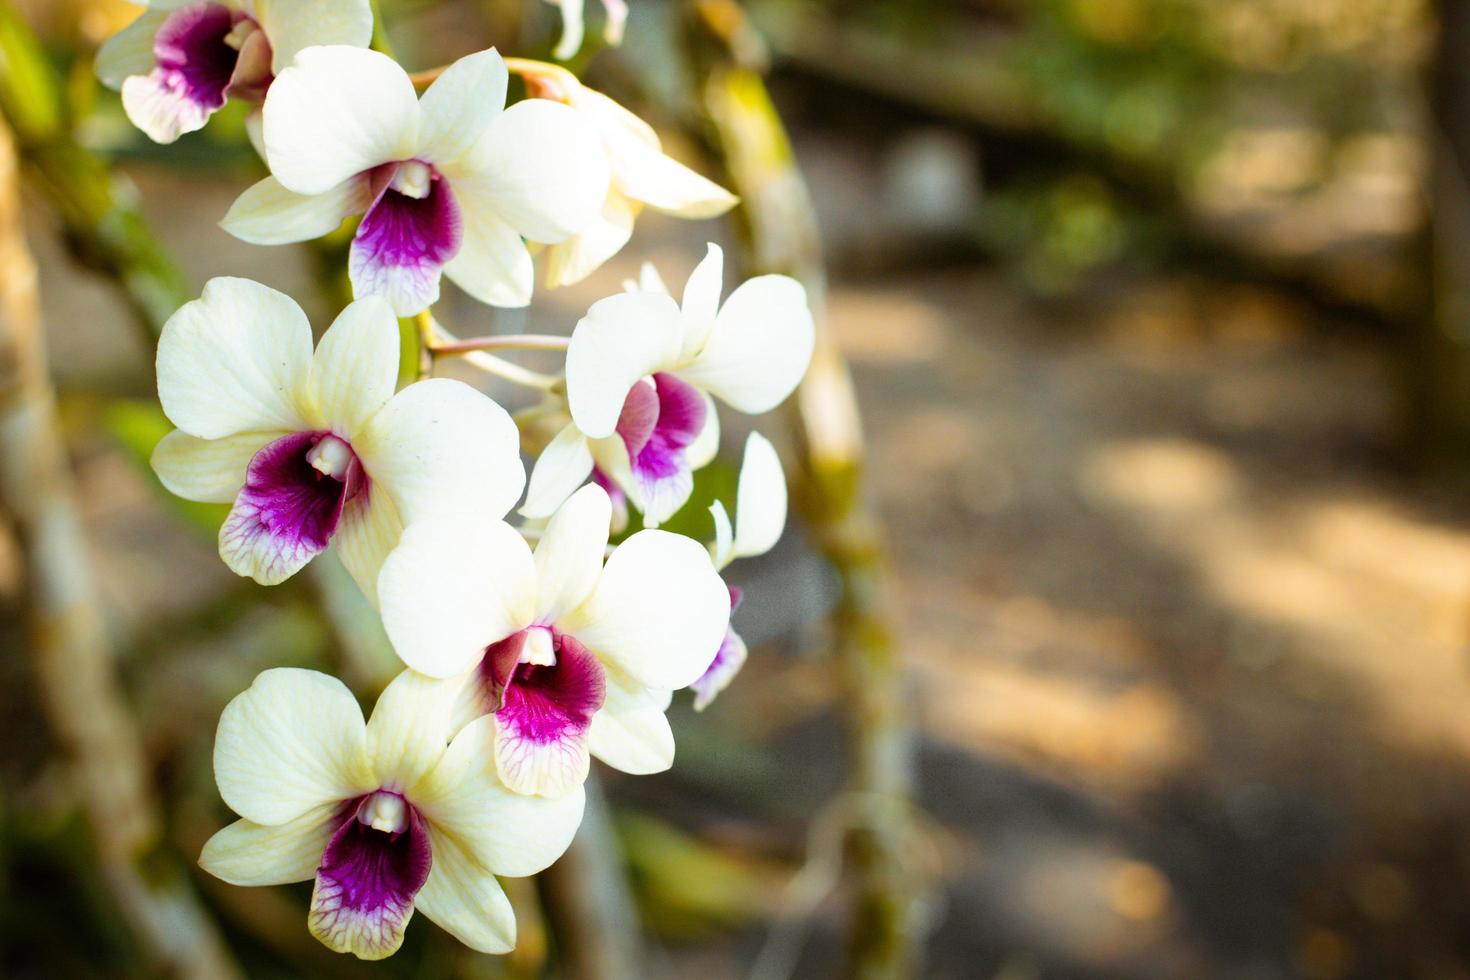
384,811
412,179
206,52
331,457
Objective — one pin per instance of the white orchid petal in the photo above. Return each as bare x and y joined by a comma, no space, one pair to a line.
355,368
164,111
760,346
248,853
293,741
631,732
562,467
571,29
465,900
369,530
336,112
575,259
665,184
543,169
507,833
621,339
129,51
293,25
441,447
493,263
268,214
760,500
210,471
456,109
659,610
409,729
569,555
722,552
451,588
235,360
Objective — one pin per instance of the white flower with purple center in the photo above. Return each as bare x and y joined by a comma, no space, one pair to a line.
571,656
315,447
760,517
179,62
452,183
388,816
640,373
642,176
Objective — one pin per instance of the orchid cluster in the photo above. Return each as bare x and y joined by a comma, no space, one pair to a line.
528,648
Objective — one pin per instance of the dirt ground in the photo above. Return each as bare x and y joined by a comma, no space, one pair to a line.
1188,650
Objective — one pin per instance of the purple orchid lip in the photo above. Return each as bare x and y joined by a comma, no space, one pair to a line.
412,228
375,863
658,422
206,52
295,491
542,684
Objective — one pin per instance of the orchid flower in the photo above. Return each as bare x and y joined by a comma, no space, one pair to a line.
640,373
572,657
642,176
314,446
571,29
179,62
448,183
388,816
760,517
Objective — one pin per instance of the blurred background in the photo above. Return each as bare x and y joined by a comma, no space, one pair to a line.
1157,314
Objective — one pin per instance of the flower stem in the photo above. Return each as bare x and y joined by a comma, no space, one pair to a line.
510,341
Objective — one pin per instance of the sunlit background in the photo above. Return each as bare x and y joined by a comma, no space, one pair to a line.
1157,314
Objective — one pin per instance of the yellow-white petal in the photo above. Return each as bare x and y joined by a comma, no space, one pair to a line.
760,346
493,263
722,551
505,832
707,444
440,447
600,239
453,587
760,499
631,732
409,730
659,610
336,112
355,368
368,532
234,360
293,741
268,214
701,302
621,339
456,109
543,169
130,50
571,29
211,471
562,467
569,555
465,900
293,25
247,853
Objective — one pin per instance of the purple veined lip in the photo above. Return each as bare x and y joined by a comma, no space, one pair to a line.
206,52
411,229
375,863
661,417
296,489
542,685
